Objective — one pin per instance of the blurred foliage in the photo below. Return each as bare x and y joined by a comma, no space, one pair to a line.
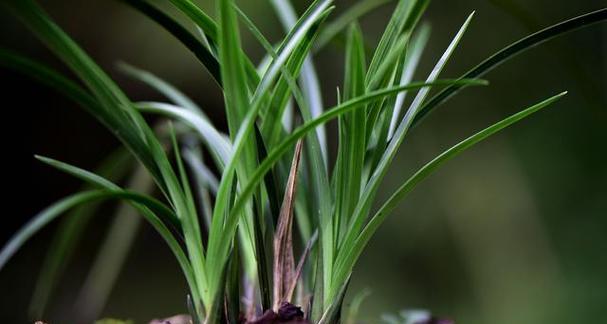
113,321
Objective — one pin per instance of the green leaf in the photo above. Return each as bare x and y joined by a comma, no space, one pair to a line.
203,53
232,290
513,50
165,88
115,110
146,205
354,307
185,185
206,181
309,77
351,253
385,67
404,17
237,105
320,193
216,142
218,243
86,176
200,18
340,23
414,53
234,80
334,112
195,162
303,130
364,204
210,30
49,214
50,78
101,182
112,254
68,235
352,129
264,227
115,107
63,205
333,311
112,115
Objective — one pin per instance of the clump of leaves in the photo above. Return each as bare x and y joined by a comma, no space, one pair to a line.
228,229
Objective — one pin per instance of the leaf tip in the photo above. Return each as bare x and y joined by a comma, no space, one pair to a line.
468,20
558,96
42,158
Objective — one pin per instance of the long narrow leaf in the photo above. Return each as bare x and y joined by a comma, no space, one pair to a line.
217,142
60,207
309,77
103,183
68,235
113,253
370,190
210,30
350,255
418,43
162,86
219,247
303,130
63,205
513,50
339,24
204,55
352,130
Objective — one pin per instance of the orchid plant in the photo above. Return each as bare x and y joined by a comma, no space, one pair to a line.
234,203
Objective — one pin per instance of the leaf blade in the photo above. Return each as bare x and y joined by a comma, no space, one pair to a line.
352,254
513,50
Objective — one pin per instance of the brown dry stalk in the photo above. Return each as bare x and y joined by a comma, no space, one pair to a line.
300,265
284,263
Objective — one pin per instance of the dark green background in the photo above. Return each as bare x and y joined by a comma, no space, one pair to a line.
514,231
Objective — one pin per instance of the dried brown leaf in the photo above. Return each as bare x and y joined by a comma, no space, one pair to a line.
300,265
284,263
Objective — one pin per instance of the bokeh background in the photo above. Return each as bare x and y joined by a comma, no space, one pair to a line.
513,231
